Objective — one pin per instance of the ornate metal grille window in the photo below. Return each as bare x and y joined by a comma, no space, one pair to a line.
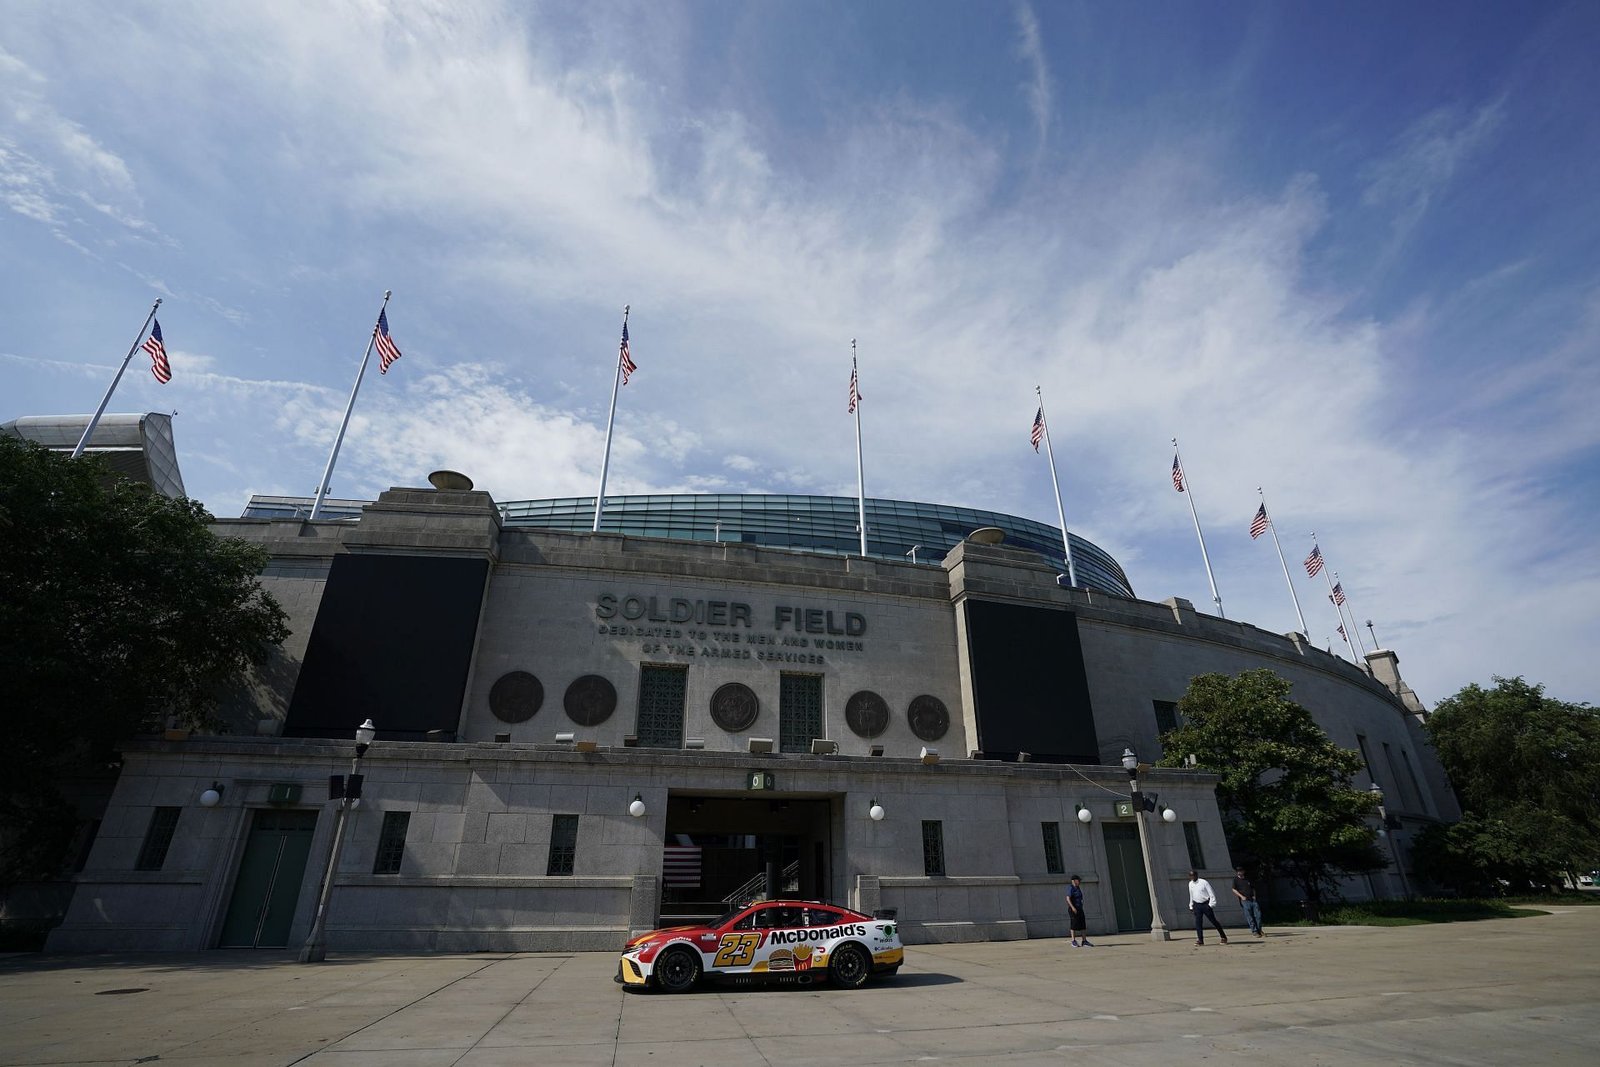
391,842
563,844
799,711
1052,849
932,846
158,838
1191,837
661,692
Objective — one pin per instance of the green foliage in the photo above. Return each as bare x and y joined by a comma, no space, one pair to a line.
121,612
1285,792
1401,913
1527,770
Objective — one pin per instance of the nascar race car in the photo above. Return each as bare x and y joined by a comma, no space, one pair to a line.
774,940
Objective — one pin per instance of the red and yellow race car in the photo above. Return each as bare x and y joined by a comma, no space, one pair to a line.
795,941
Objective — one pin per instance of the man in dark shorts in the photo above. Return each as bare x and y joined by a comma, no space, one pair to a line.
1076,918
1245,890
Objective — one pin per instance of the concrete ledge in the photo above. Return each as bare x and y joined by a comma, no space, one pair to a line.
962,932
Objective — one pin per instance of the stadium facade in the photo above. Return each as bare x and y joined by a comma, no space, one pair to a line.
584,735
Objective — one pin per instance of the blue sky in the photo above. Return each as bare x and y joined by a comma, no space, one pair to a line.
1346,253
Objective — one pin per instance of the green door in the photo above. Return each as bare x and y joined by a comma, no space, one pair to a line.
268,885
1130,891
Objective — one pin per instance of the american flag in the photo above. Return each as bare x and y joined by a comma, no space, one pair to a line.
387,352
1338,592
855,392
1258,525
680,866
1177,475
1314,562
628,366
158,354
1038,428
1342,633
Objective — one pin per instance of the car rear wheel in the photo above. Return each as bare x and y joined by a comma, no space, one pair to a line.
677,970
849,966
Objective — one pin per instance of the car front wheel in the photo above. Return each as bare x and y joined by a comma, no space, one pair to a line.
677,970
849,966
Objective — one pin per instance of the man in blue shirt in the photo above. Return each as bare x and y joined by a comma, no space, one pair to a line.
1075,915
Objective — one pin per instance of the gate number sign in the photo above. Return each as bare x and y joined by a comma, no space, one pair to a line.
760,780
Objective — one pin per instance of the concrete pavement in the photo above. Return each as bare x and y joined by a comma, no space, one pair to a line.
1497,992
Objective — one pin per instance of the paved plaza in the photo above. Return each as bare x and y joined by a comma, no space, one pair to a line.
1497,992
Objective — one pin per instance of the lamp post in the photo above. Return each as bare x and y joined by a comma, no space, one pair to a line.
1394,851
315,949
1130,763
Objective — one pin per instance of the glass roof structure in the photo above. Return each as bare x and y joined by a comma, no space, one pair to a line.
902,530
138,447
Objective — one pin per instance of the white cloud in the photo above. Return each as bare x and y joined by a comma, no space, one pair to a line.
1037,89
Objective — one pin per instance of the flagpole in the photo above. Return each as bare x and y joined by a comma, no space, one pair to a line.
1066,542
83,442
611,419
861,476
333,457
1327,576
1360,645
1188,491
1284,564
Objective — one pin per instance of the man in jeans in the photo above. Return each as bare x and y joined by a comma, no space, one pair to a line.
1246,892
1201,898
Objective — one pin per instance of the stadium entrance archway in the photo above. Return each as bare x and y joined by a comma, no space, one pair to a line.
720,851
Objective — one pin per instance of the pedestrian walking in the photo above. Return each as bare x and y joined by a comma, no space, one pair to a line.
1201,900
1245,890
1075,914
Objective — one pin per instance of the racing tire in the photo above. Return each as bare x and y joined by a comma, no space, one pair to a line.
849,966
677,970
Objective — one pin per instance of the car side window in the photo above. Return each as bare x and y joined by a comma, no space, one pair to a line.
820,917
748,922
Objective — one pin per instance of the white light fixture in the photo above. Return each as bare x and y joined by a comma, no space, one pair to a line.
564,739
211,797
930,756
822,746
694,742
1085,816
1130,762
875,811
1168,815
637,808
760,744
875,750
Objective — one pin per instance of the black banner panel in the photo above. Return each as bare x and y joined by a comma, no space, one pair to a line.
392,642
1029,685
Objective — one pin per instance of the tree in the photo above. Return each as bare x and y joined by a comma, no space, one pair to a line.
1526,768
121,613
1285,790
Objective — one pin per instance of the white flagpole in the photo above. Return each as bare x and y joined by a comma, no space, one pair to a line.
1284,564
333,457
1066,542
611,419
83,442
1188,491
861,477
1327,576
1361,645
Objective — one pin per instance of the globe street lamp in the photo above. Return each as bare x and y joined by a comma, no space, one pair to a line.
315,949
1130,763
1394,850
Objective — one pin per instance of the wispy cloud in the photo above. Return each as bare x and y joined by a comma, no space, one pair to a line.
1427,157
1037,89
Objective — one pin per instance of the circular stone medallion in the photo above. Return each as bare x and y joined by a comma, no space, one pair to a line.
734,707
516,697
928,717
590,700
867,714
